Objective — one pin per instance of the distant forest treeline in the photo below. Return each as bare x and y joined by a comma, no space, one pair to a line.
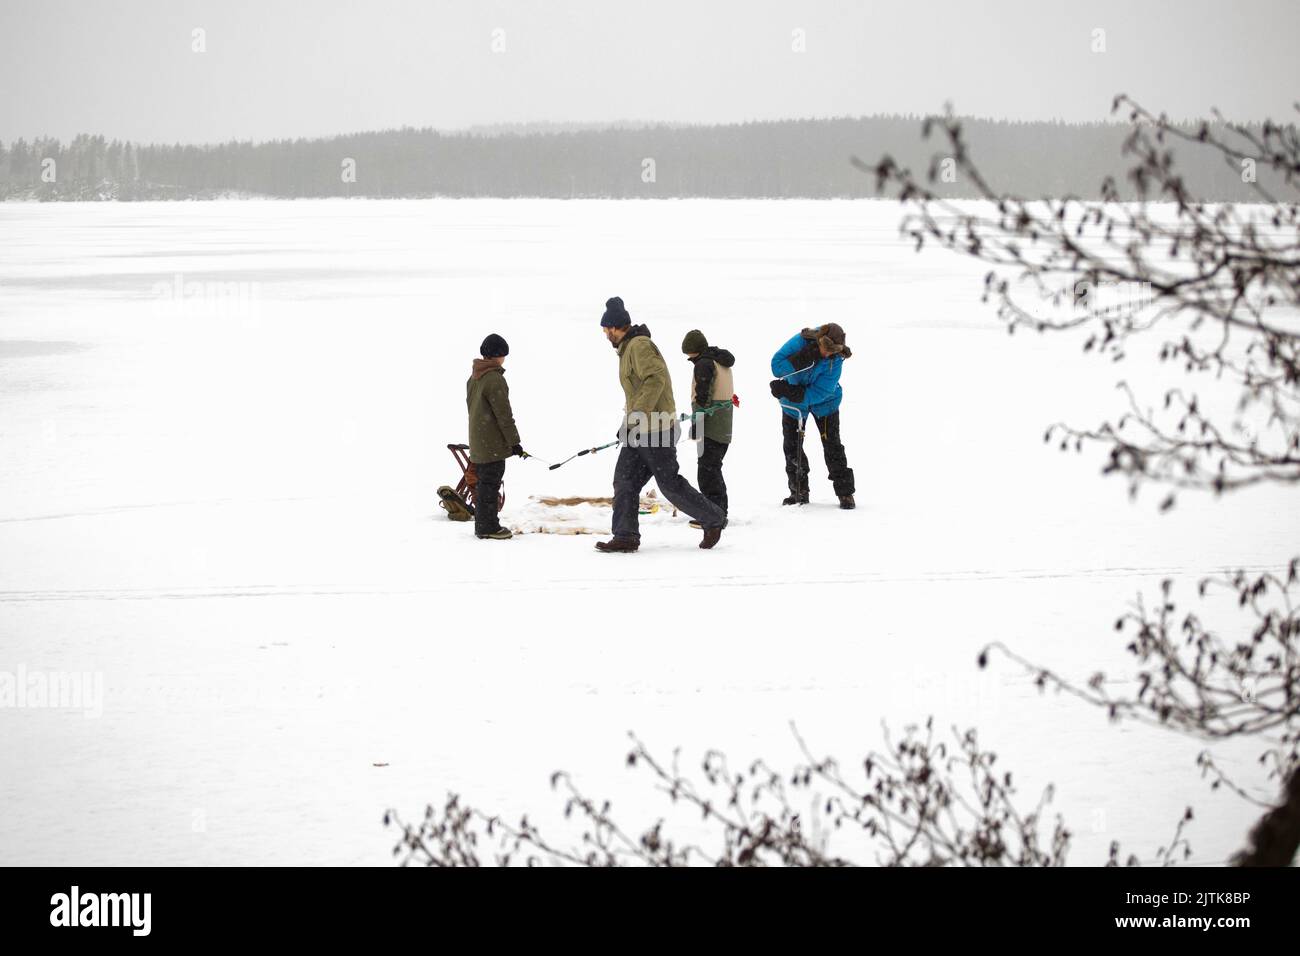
780,159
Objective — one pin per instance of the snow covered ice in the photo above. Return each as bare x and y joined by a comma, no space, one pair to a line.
222,426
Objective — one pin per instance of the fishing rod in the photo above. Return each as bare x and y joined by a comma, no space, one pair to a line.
685,417
526,454
585,451
717,406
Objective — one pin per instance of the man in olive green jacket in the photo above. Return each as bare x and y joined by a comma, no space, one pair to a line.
493,436
649,434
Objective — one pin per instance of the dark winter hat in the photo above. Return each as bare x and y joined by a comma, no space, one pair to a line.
494,346
694,343
831,338
615,316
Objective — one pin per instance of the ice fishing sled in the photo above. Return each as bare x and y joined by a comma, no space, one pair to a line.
459,501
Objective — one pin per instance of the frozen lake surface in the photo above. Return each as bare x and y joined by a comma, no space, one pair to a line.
221,428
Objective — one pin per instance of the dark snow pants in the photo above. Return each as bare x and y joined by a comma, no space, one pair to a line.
796,462
712,485
636,466
487,494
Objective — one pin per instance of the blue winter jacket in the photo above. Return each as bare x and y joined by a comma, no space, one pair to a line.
822,391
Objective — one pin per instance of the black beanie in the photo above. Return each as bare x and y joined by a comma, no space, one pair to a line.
615,316
494,346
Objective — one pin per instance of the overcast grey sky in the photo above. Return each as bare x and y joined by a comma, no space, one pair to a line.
285,68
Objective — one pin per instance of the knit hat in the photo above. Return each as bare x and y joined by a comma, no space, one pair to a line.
694,343
615,316
494,346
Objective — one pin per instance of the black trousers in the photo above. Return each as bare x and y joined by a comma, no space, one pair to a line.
636,466
796,462
712,485
486,495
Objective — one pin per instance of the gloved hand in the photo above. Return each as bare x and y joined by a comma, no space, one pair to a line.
781,389
518,451
806,357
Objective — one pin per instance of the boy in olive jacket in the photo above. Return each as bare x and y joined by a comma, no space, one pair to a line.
493,436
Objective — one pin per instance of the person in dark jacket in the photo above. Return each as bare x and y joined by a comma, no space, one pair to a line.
493,436
649,434
713,395
807,370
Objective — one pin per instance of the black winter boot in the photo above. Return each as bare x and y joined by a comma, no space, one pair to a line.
796,499
847,503
618,545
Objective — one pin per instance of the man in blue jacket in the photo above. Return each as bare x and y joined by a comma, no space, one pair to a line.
807,370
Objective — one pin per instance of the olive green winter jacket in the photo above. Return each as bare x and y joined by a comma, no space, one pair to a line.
492,431
646,383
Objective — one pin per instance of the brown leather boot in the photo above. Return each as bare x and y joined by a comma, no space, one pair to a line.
618,545
711,537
